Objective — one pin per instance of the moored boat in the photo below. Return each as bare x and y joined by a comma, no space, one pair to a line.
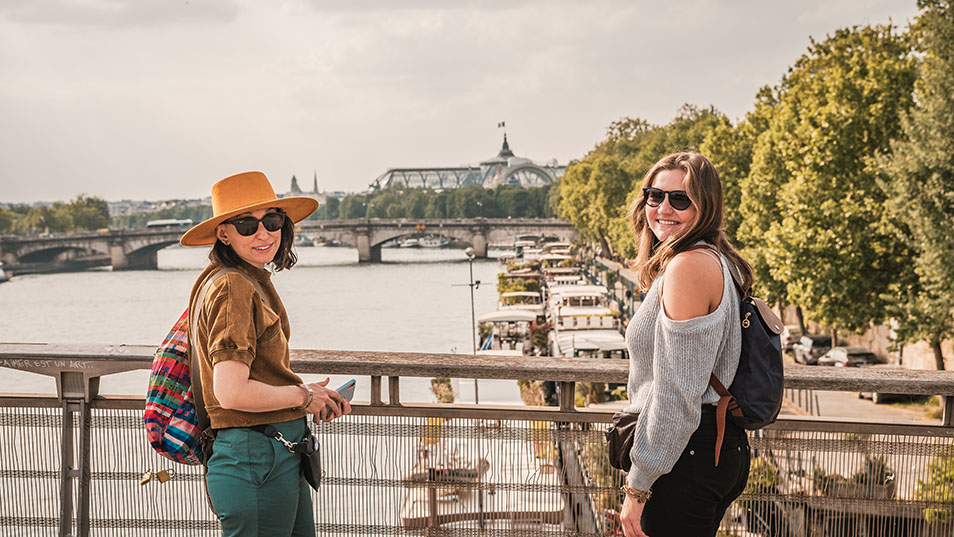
434,242
531,301
302,241
583,324
510,328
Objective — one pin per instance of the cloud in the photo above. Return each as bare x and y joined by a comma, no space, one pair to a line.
156,99
118,14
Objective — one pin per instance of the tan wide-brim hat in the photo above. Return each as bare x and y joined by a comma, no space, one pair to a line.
242,193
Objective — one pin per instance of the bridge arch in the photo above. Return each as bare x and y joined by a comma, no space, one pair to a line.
146,257
56,253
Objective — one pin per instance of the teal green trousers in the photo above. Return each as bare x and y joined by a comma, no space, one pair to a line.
256,485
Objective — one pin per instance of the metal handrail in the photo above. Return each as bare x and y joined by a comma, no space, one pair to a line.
50,358
77,369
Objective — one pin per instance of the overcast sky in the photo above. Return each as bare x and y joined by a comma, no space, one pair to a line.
157,99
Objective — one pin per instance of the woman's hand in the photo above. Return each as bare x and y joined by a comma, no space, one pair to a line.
630,515
327,404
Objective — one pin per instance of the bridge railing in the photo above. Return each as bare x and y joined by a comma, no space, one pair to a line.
71,462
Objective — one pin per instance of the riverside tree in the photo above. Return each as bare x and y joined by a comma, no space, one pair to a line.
730,148
826,240
920,183
596,192
83,213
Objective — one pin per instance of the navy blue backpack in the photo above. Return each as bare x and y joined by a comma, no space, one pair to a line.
755,396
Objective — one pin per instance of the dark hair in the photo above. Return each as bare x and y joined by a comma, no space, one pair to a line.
705,190
285,257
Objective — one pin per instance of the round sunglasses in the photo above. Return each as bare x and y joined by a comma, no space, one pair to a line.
248,225
678,199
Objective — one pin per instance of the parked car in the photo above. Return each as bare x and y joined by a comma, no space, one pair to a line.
810,347
790,336
848,357
881,397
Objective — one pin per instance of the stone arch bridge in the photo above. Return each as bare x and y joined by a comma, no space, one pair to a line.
122,249
367,235
137,249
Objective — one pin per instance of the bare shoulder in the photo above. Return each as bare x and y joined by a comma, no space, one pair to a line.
694,265
693,285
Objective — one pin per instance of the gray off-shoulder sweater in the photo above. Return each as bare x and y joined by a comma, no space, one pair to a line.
669,368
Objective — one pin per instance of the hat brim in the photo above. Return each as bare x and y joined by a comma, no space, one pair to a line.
203,233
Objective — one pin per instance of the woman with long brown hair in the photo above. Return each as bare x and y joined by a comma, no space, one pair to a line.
686,328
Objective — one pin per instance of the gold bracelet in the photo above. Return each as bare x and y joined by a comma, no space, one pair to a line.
308,400
640,496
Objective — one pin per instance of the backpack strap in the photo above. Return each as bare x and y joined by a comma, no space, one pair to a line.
727,403
202,416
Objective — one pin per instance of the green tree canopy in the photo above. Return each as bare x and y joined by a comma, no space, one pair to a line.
468,202
920,186
838,107
596,191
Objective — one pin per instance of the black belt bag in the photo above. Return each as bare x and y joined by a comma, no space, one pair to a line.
307,447
619,440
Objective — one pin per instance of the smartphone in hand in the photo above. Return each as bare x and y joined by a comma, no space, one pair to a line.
346,390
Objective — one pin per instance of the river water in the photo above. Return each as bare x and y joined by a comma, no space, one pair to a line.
417,300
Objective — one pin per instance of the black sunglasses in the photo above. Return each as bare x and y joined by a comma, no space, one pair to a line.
248,225
678,199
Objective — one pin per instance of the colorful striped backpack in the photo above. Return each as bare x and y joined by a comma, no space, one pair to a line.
175,415
170,416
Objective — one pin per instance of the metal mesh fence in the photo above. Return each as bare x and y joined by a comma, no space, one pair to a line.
386,475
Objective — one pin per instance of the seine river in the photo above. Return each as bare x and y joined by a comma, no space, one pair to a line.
416,300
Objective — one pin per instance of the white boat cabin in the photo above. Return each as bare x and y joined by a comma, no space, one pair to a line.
510,328
522,300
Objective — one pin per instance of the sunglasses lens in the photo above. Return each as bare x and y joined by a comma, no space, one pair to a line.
246,226
679,200
273,221
653,196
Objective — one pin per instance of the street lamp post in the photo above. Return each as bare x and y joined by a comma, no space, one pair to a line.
473,323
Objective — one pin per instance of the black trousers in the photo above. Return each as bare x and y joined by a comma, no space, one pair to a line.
690,500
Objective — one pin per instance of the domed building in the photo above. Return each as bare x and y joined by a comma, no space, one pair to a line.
503,169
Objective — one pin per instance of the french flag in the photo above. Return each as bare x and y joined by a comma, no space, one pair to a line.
501,124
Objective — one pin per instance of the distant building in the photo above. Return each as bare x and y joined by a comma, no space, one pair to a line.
315,193
503,169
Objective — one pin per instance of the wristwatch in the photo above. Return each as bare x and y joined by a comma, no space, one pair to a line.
308,400
640,496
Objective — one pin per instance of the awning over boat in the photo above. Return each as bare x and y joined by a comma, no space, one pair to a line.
509,315
577,290
561,270
520,293
579,311
569,341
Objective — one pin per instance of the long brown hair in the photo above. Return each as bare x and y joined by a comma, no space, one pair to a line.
285,257
705,190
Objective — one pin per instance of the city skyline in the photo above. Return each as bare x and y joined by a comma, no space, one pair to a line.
148,100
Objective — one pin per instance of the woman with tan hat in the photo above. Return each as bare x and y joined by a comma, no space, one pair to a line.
239,340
